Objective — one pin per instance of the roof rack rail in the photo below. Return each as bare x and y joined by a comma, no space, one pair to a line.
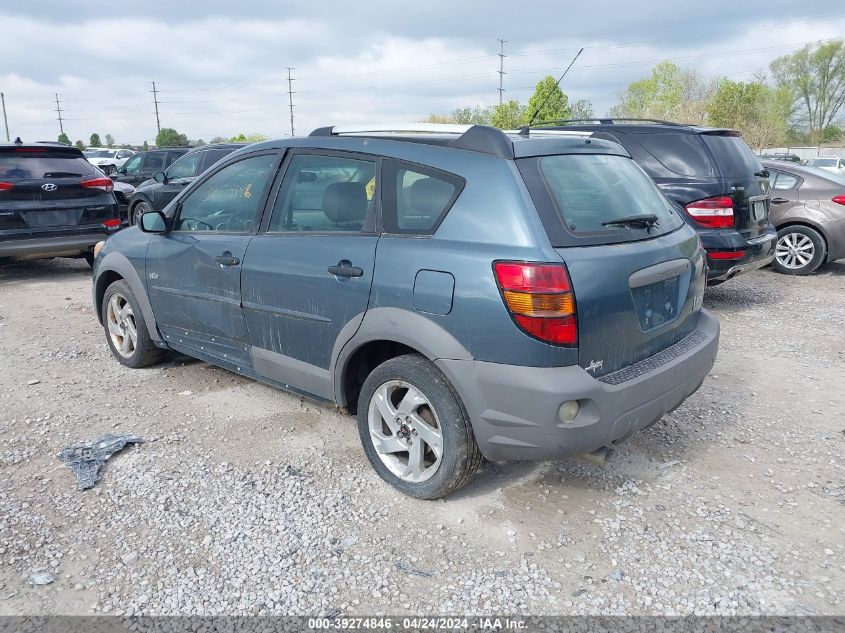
475,138
605,121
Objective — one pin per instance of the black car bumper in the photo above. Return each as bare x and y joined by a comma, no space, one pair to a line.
729,256
52,246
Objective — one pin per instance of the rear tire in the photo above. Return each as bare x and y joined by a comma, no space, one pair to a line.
799,250
125,328
408,412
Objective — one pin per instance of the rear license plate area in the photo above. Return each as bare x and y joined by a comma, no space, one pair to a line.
53,217
657,303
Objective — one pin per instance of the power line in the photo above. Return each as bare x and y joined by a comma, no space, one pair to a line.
290,96
59,111
155,101
501,68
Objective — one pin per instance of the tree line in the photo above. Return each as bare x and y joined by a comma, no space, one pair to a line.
798,101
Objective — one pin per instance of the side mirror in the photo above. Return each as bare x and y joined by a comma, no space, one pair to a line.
160,176
153,222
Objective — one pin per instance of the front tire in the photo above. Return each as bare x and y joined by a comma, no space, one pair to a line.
125,328
414,429
138,210
799,250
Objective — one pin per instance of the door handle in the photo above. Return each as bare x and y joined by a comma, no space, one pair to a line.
779,200
344,268
226,259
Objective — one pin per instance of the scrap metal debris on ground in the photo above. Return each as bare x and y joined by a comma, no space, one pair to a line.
87,458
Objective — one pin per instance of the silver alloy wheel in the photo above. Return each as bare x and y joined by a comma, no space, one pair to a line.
794,250
121,323
405,431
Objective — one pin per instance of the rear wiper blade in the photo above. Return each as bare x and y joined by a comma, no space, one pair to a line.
647,219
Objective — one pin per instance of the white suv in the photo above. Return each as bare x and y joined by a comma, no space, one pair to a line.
108,160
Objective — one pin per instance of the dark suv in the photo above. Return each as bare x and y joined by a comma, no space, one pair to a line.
710,172
142,166
156,193
468,292
53,202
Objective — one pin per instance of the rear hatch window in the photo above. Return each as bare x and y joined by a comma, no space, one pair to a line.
668,154
587,194
733,157
20,165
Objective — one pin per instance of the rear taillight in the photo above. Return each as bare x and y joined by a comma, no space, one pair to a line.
5,186
716,213
836,199
111,223
540,300
103,184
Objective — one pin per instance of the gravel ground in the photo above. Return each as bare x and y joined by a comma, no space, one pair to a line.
247,500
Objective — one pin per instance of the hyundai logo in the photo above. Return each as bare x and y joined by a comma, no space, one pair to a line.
49,187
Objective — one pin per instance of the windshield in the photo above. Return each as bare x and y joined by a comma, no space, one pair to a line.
591,190
822,162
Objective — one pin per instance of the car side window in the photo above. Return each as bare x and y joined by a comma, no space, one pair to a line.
415,198
785,181
185,167
229,199
133,165
154,162
324,194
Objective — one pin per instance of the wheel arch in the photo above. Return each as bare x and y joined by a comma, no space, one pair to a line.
810,225
385,333
114,267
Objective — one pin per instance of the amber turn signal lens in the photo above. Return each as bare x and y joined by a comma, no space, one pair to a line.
539,305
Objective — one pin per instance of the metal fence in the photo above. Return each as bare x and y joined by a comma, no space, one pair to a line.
804,152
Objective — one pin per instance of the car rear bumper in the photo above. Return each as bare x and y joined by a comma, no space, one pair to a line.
53,246
514,410
757,252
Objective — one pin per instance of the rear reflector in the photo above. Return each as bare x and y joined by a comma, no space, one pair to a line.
725,254
111,223
103,184
5,186
716,213
540,300
836,199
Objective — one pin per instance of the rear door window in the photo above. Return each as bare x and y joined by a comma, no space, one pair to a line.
416,198
154,161
733,157
587,191
27,164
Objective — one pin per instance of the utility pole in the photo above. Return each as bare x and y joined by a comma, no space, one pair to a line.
155,101
5,120
59,110
501,68
290,97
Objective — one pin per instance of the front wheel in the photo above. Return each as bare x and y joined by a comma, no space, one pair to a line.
414,429
126,330
138,210
799,250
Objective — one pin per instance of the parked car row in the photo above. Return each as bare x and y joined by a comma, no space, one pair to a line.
107,160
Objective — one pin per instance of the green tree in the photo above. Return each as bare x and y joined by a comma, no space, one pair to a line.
146,146
508,115
478,115
63,138
198,143
548,103
815,75
94,140
248,138
168,137
109,140
759,111
832,134
670,93
582,109
219,139
80,145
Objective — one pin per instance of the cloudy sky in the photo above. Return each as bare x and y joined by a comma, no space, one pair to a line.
220,65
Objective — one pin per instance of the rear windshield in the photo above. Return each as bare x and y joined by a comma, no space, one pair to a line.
670,154
733,157
590,190
20,165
